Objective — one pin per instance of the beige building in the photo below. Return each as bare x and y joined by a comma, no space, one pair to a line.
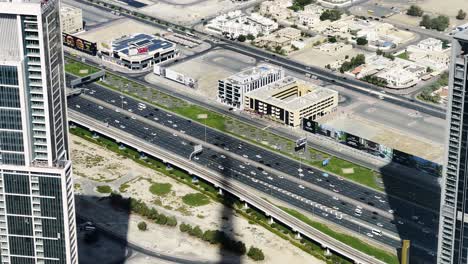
281,38
71,19
289,100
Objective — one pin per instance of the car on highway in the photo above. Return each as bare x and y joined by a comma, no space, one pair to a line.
379,224
301,186
270,178
336,190
369,235
258,156
325,174
222,156
245,156
133,117
376,232
241,166
220,167
336,198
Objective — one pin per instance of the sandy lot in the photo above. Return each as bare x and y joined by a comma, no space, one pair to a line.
189,12
211,67
93,165
117,29
315,57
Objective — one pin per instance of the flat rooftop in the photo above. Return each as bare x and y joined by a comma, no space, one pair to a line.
140,40
281,95
252,74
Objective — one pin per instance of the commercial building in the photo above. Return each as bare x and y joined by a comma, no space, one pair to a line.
139,51
232,89
289,101
453,220
71,19
37,209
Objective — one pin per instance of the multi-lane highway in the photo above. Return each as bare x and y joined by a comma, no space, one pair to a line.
326,191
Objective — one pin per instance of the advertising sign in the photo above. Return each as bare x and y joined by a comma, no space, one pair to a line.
373,148
142,50
79,44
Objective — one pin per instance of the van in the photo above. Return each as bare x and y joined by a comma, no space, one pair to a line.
376,232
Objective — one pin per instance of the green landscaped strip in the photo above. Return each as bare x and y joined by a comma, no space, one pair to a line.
347,239
403,55
215,120
104,189
160,189
74,67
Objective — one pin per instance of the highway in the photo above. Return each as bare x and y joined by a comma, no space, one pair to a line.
268,161
209,171
323,74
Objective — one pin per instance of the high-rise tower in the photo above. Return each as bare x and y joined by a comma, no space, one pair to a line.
453,226
37,210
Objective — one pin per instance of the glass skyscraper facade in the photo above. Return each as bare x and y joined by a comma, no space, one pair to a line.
453,222
37,210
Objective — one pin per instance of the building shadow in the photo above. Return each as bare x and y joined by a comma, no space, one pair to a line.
417,218
102,226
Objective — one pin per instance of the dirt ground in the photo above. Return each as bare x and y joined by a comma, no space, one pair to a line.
315,57
94,165
117,29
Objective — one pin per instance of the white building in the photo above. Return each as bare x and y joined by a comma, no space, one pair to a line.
430,44
139,51
71,19
232,89
288,101
236,23
398,78
37,208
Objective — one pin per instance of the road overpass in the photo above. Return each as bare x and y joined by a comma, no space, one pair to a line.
221,182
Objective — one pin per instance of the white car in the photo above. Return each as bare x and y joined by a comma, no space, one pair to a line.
270,178
253,173
245,156
220,167
370,235
300,186
242,166
258,156
117,110
335,198
380,224
222,156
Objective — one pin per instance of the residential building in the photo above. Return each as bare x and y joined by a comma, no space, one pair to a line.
232,89
430,44
453,219
37,209
398,78
289,101
277,9
235,23
139,51
71,19
281,38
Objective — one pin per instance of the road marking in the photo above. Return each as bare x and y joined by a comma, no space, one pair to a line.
266,127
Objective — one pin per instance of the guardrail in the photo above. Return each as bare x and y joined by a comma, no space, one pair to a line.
235,188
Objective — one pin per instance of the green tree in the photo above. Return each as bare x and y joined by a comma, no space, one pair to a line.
415,10
142,226
332,39
461,15
171,221
331,14
361,41
196,232
241,38
161,219
185,227
255,254
439,23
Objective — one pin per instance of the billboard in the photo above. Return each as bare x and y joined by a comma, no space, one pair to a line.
79,44
373,148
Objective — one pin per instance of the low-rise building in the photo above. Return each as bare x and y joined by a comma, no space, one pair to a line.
281,38
398,78
232,89
71,19
289,100
430,44
235,23
139,51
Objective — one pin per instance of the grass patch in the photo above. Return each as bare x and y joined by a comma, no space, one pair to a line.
160,189
196,199
347,239
74,68
123,187
403,55
103,189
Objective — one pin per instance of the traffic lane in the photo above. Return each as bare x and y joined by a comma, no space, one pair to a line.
170,142
247,150
293,187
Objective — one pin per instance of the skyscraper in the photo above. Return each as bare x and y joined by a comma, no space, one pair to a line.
37,210
453,222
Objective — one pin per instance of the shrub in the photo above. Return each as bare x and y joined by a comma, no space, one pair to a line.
171,221
361,41
185,227
332,39
142,226
161,219
241,38
104,189
461,15
331,14
196,232
255,254
415,10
